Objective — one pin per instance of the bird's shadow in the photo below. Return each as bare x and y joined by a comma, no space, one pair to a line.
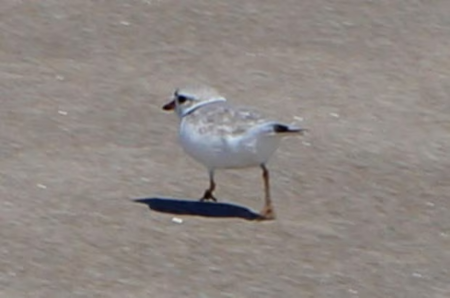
198,208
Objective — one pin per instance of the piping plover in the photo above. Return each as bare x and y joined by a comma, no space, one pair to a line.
221,136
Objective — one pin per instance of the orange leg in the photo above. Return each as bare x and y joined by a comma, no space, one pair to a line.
208,195
267,211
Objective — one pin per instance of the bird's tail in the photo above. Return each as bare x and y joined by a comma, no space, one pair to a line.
287,129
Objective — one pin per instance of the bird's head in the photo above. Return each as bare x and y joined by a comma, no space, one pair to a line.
185,101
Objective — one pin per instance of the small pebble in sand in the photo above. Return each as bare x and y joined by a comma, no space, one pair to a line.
177,220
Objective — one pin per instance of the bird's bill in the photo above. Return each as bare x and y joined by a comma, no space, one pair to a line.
169,106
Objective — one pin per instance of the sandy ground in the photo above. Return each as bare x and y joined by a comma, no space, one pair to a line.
362,201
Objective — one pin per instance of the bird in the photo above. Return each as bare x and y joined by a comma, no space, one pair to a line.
219,135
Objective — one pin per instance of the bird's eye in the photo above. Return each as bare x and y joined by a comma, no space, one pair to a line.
182,99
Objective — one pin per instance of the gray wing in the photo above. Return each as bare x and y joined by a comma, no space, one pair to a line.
222,120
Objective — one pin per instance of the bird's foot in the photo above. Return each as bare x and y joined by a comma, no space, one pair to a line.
208,196
267,213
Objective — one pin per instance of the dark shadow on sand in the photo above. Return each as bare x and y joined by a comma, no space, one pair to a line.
206,209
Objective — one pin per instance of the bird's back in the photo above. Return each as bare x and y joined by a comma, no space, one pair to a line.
224,120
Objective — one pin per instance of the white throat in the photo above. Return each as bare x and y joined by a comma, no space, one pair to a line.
201,104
